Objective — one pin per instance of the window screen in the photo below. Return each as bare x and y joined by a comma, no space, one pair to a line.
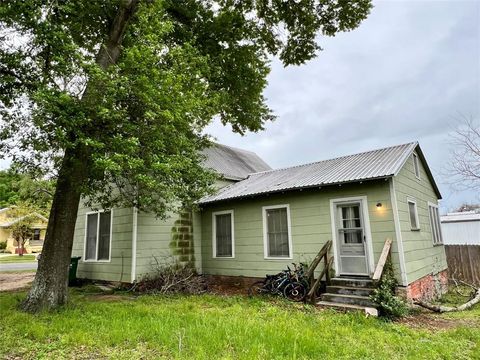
435,225
412,211
277,233
104,236
223,235
98,236
351,225
91,246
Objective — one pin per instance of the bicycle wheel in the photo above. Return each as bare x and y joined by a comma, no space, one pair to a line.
257,288
295,291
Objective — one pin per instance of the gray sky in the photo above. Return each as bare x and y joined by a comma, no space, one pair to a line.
409,72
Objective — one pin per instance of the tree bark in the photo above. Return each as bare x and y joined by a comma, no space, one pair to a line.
49,289
442,309
50,286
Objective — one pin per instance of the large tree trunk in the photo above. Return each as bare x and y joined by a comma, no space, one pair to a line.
50,286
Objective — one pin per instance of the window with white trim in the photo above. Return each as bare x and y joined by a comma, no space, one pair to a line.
98,236
413,214
416,166
435,224
223,237
277,237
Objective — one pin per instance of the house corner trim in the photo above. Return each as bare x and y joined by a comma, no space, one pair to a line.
398,233
134,245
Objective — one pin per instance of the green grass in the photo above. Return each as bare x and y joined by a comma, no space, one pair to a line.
16,258
211,327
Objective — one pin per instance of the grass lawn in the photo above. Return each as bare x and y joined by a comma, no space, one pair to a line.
16,258
211,327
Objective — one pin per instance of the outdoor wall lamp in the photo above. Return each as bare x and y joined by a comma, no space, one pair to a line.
379,205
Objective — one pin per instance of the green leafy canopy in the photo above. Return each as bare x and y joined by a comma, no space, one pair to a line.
182,63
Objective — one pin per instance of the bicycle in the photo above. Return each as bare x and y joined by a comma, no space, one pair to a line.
289,284
297,289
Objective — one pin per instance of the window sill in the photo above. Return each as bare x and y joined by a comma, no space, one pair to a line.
277,258
223,257
96,261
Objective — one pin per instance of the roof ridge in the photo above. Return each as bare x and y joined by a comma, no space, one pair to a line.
335,158
236,148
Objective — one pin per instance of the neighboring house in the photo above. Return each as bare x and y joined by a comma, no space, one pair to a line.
9,218
261,220
461,228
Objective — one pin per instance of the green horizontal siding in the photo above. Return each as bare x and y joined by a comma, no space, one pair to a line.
119,268
421,256
310,226
153,242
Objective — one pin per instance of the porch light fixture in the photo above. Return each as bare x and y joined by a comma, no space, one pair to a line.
379,205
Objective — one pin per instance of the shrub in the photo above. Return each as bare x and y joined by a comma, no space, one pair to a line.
389,305
3,245
170,277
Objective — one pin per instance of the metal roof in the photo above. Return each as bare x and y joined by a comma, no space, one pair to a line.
233,163
460,217
376,164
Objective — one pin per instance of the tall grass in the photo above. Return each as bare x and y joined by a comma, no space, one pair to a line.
211,327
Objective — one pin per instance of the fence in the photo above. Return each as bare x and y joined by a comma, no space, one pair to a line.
464,262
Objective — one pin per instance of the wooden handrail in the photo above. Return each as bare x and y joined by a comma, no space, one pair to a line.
314,284
382,260
324,250
311,296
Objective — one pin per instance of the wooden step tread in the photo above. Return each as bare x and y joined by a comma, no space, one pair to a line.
361,279
360,297
351,287
352,282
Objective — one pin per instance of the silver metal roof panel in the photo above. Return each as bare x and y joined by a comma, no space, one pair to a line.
368,165
233,163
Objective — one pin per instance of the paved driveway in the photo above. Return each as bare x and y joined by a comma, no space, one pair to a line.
20,266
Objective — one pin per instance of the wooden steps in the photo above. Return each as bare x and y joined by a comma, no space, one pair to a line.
349,290
349,294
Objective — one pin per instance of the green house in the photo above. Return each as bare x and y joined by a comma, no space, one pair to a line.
261,220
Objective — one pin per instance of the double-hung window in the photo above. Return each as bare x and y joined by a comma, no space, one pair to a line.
413,214
98,236
223,234
277,232
435,224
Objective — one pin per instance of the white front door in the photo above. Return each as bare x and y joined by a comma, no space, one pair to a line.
351,237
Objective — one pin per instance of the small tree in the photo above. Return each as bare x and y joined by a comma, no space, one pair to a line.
464,167
22,227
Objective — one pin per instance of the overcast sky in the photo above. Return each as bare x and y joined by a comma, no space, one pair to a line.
409,72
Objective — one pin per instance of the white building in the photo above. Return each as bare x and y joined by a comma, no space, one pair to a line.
461,228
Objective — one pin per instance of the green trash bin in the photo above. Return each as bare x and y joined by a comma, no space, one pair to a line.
72,273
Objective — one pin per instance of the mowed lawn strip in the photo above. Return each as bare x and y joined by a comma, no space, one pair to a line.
16,259
210,327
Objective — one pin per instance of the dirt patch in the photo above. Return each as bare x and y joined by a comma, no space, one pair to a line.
15,281
227,289
435,322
